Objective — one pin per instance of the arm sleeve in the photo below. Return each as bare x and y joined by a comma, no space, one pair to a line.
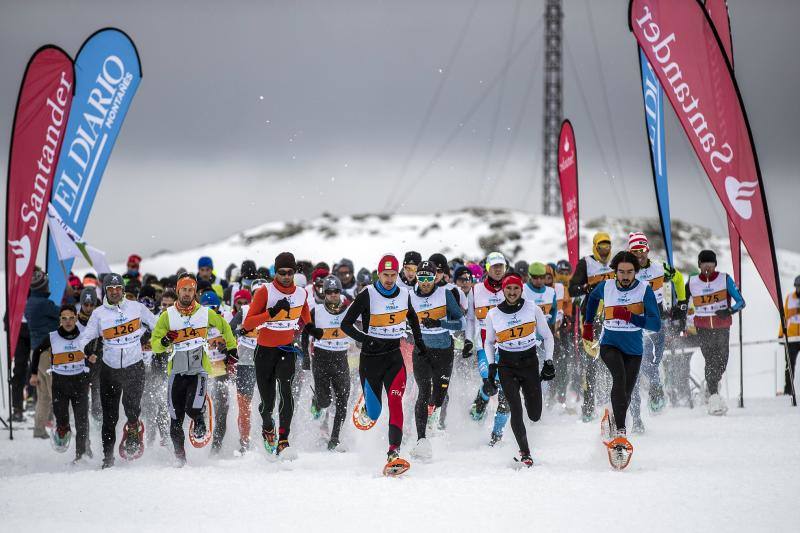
37,354
733,291
578,279
214,319
551,319
687,291
236,321
304,336
161,329
413,321
258,313
593,302
305,314
543,330
148,318
489,343
651,319
91,331
469,330
455,317
680,286
359,305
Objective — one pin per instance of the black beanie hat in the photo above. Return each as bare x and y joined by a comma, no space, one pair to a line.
707,256
440,261
285,260
412,258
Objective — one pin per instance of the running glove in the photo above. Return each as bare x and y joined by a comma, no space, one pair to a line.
169,338
280,305
467,350
431,323
622,313
548,371
723,313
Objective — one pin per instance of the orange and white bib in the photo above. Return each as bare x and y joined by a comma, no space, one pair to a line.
515,332
192,329
654,275
543,299
632,299
433,306
597,271
66,356
709,297
484,300
285,321
387,315
333,338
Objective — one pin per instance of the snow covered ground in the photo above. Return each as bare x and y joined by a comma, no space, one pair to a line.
690,472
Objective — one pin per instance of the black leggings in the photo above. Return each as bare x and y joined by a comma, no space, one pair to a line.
385,371
794,348
433,378
72,390
275,366
521,374
331,373
624,369
186,394
714,347
115,384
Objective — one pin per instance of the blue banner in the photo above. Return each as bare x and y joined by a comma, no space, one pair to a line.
107,74
654,117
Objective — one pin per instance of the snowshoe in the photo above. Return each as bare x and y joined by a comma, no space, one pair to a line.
495,438
717,405
395,466
478,409
202,429
59,439
657,399
180,459
335,446
131,446
607,425
285,452
316,412
422,450
523,461
620,451
360,418
270,440
108,462
434,413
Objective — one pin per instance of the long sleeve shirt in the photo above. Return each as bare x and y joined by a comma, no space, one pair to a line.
630,342
259,313
542,332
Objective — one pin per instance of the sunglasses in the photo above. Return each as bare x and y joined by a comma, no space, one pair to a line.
285,272
242,302
464,279
425,278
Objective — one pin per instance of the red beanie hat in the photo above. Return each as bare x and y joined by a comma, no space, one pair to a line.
319,273
388,262
512,279
243,293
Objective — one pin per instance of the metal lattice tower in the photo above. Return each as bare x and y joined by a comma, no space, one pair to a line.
552,106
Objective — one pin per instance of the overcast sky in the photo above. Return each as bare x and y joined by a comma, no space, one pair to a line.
277,110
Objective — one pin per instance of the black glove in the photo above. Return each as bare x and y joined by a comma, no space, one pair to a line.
231,356
306,360
669,272
431,323
548,371
723,313
489,386
466,351
280,305
422,350
317,333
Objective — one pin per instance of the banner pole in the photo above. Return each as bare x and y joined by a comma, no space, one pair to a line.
741,362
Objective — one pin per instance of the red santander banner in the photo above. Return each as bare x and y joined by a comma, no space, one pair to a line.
718,13
568,178
680,42
45,97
